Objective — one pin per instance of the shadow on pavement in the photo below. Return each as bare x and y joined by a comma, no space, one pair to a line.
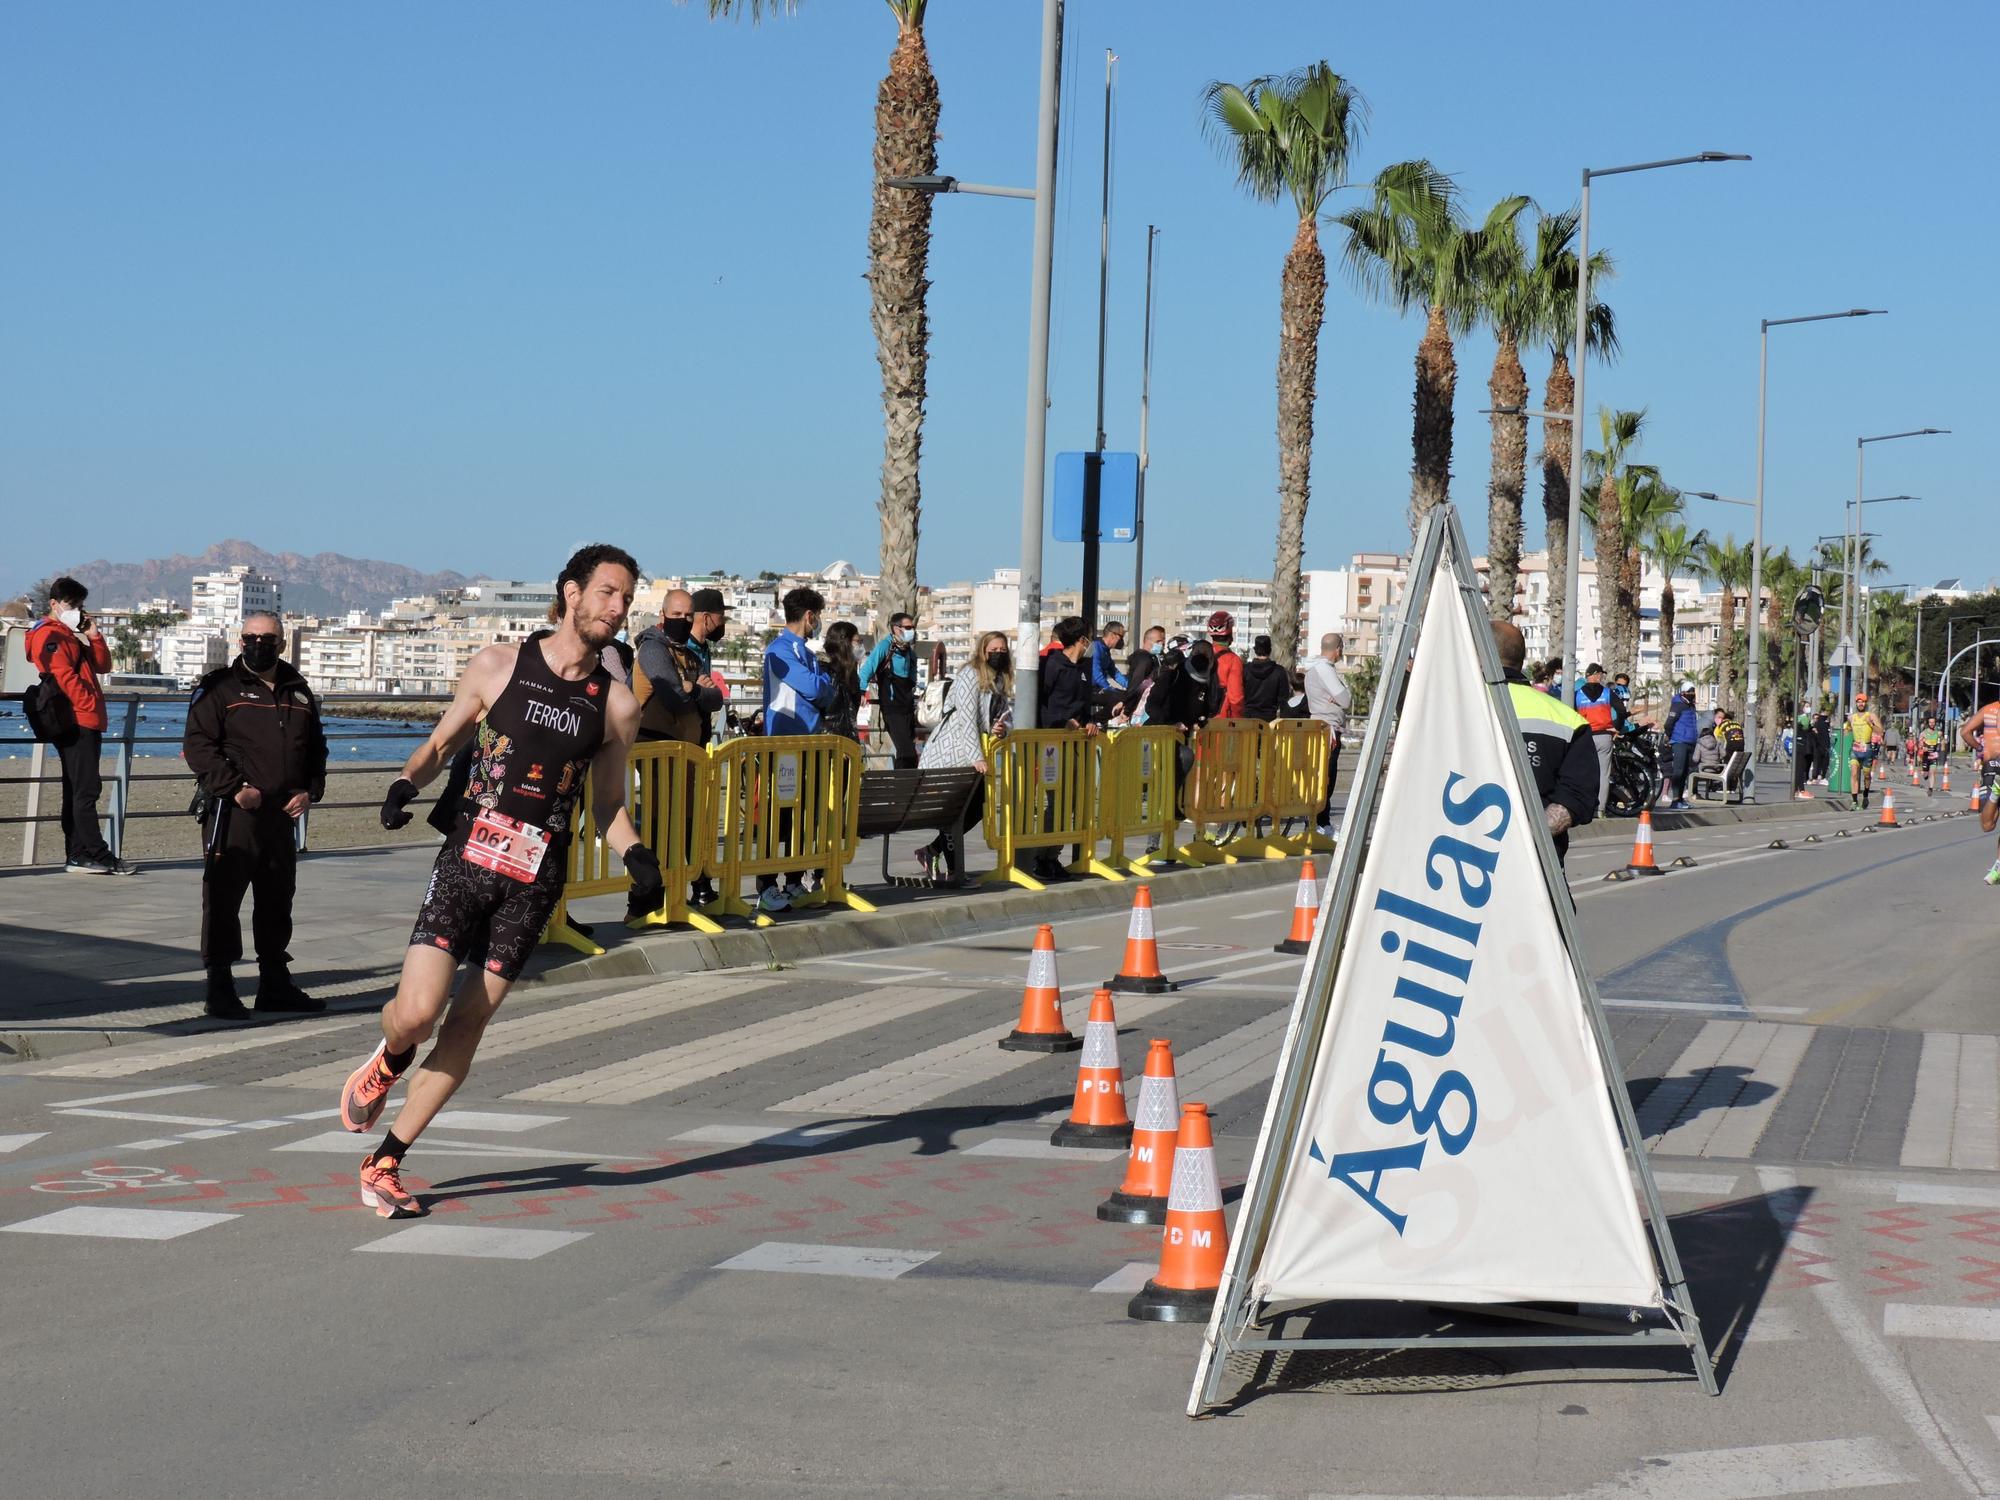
1664,1103
935,1132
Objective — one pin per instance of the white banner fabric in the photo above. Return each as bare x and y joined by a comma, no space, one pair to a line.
1458,1143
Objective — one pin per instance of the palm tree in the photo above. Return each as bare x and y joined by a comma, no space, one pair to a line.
1291,136
1783,578
1604,506
1411,247
1728,562
1645,502
899,246
1672,550
1555,258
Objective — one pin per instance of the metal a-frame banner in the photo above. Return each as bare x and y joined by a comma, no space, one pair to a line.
1449,1125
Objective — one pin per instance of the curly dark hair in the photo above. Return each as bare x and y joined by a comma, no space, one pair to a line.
584,562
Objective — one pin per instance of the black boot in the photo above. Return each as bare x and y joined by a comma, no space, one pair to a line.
221,1001
277,993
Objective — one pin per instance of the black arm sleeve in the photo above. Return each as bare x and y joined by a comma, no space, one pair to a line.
202,746
1576,778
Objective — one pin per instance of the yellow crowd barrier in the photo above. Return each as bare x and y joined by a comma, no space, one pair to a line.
593,871
788,804
1042,793
1291,787
1135,794
1222,788
673,807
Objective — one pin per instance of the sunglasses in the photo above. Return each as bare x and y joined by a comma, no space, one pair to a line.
257,640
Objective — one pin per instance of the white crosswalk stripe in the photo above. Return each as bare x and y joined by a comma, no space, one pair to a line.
669,1068
907,1083
544,1028
127,1064
1723,1115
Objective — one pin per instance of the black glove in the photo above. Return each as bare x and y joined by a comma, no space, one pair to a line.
649,887
395,806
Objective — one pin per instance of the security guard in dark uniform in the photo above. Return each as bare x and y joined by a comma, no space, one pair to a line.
258,752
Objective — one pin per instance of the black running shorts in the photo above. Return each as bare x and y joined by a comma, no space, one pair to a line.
469,909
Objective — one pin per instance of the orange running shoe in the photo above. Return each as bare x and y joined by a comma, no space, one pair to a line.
382,1189
366,1091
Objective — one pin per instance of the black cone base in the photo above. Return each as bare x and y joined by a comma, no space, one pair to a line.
1644,870
1041,1041
1128,984
1129,1208
1165,1304
1069,1133
1291,945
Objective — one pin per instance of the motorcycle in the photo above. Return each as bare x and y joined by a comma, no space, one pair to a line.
1636,777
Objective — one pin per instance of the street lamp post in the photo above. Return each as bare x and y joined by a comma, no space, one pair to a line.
1573,564
1757,526
1860,455
1035,449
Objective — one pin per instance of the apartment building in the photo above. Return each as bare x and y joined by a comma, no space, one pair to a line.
221,599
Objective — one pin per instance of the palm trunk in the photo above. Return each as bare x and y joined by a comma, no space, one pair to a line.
1437,381
1668,609
1301,307
1557,392
1629,574
1610,581
1725,671
1774,664
899,241
1508,386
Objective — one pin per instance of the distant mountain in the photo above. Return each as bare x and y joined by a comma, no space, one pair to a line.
325,583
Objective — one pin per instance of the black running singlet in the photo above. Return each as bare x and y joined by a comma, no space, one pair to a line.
536,743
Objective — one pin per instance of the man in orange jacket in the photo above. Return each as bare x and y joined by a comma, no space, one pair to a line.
1228,665
68,646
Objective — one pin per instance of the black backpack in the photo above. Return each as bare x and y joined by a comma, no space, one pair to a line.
51,716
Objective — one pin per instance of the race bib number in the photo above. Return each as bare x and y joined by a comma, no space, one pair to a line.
505,846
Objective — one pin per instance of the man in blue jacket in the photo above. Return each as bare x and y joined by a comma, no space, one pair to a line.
1104,674
797,686
1683,729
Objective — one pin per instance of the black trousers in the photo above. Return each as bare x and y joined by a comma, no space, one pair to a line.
248,851
82,783
902,727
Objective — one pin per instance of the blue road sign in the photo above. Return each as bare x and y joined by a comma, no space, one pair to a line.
1116,477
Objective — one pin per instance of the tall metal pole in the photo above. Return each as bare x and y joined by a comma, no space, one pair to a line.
1851,618
1138,622
1574,563
1917,677
1750,721
1093,484
1035,453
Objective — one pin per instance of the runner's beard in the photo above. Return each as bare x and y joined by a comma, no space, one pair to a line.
597,634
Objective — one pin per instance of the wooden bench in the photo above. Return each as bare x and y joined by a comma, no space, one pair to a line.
894,802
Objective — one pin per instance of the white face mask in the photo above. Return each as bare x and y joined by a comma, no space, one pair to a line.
72,617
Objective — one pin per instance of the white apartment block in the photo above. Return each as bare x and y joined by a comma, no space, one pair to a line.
223,598
188,652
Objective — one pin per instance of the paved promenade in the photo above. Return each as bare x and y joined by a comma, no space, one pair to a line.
797,1229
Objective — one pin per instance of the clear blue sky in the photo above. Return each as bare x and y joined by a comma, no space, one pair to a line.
460,284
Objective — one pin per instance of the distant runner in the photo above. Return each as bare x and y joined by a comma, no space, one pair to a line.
1981,733
1930,753
546,712
1867,732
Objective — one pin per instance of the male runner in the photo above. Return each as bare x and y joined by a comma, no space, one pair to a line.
1867,744
1981,733
1930,753
545,712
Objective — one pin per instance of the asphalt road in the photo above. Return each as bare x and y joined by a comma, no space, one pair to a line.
799,1232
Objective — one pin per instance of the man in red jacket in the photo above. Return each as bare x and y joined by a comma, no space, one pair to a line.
1228,665
69,646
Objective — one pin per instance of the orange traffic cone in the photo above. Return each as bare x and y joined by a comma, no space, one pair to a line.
1195,1242
1305,913
1149,1166
1097,1117
1947,779
1888,818
1041,1028
1642,847
1140,973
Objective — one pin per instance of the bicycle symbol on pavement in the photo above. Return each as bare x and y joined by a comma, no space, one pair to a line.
119,1179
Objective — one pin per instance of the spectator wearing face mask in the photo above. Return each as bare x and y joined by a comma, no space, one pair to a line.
1228,665
797,692
258,752
1065,690
891,670
68,646
677,695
